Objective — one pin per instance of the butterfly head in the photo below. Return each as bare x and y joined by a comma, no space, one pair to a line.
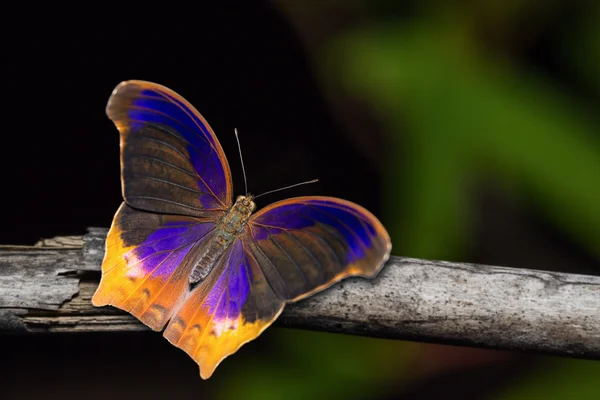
245,205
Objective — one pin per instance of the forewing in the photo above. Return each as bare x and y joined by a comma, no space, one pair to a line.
147,262
171,160
233,306
306,244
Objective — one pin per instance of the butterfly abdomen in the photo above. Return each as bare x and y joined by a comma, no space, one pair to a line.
228,228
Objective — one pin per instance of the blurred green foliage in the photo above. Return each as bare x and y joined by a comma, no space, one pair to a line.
455,112
465,114
325,366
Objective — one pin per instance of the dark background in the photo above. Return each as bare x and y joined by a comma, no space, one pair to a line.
259,67
240,65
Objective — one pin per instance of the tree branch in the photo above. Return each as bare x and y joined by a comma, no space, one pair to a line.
48,287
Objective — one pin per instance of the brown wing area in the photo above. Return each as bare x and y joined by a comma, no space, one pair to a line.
306,244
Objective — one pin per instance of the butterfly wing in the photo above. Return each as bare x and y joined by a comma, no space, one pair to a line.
289,251
176,182
233,306
306,244
171,160
148,261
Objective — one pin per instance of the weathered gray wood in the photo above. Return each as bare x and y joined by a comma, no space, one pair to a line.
48,287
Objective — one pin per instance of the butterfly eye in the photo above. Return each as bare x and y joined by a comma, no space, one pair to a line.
239,198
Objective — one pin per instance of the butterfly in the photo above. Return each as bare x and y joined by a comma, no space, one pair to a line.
183,257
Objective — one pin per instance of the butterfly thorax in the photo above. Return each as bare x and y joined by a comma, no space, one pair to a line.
228,227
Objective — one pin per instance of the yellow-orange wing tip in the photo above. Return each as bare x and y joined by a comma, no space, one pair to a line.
147,262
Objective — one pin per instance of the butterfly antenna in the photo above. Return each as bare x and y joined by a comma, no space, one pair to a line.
241,159
287,187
